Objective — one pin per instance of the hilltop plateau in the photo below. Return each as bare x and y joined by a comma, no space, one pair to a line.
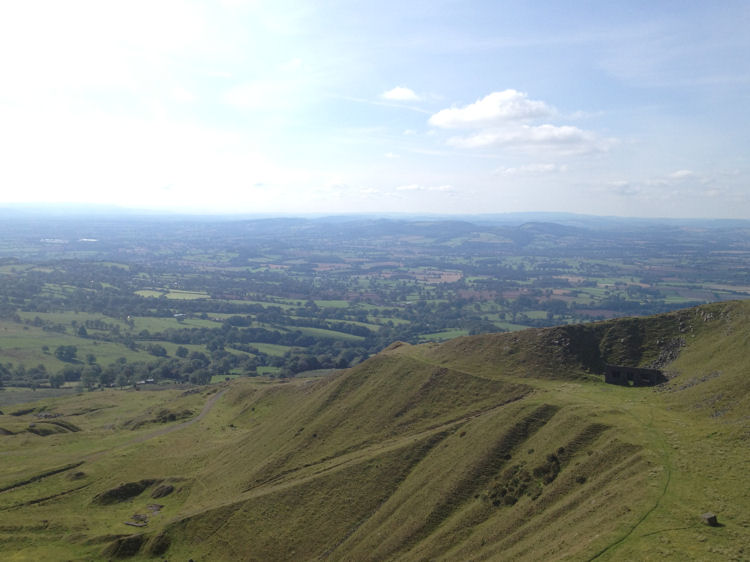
490,447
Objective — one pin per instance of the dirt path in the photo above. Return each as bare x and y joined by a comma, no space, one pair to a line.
163,431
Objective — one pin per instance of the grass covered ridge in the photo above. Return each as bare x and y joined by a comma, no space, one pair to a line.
503,446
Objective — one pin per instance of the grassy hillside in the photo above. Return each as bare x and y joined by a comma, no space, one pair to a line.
503,446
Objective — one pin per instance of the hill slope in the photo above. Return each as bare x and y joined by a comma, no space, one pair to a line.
503,446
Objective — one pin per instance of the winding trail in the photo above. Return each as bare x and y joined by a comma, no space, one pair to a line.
207,407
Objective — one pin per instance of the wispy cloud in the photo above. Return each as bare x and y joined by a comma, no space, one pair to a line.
400,93
681,174
562,140
419,187
532,169
673,184
387,103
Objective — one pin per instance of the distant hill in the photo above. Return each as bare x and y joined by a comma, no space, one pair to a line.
493,447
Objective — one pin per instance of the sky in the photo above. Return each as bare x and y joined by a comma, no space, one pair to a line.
346,106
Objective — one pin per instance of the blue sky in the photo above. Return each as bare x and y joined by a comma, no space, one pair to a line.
330,106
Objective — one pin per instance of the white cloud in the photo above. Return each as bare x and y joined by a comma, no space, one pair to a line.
678,185
681,178
400,93
497,108
181,95
577,115
251,95
419,187
533,169
293,65
681,174
266,94
391,155
624,188
562,140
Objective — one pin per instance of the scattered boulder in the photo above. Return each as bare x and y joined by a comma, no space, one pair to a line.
710,519
46,415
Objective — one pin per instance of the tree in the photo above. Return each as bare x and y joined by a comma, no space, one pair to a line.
201,376
122,380
198,359
56,380
107,376
157,350
71,373
182,352
89,377
66,353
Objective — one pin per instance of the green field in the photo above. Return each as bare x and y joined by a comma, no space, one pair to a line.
445,335
322,333
306,290
271,348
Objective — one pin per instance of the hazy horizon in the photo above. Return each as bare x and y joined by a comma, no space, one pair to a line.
75,211
440,108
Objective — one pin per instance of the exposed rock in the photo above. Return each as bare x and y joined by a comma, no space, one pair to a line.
163,490
123,492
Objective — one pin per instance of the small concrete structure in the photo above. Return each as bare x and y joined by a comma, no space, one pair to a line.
710,519
632,376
